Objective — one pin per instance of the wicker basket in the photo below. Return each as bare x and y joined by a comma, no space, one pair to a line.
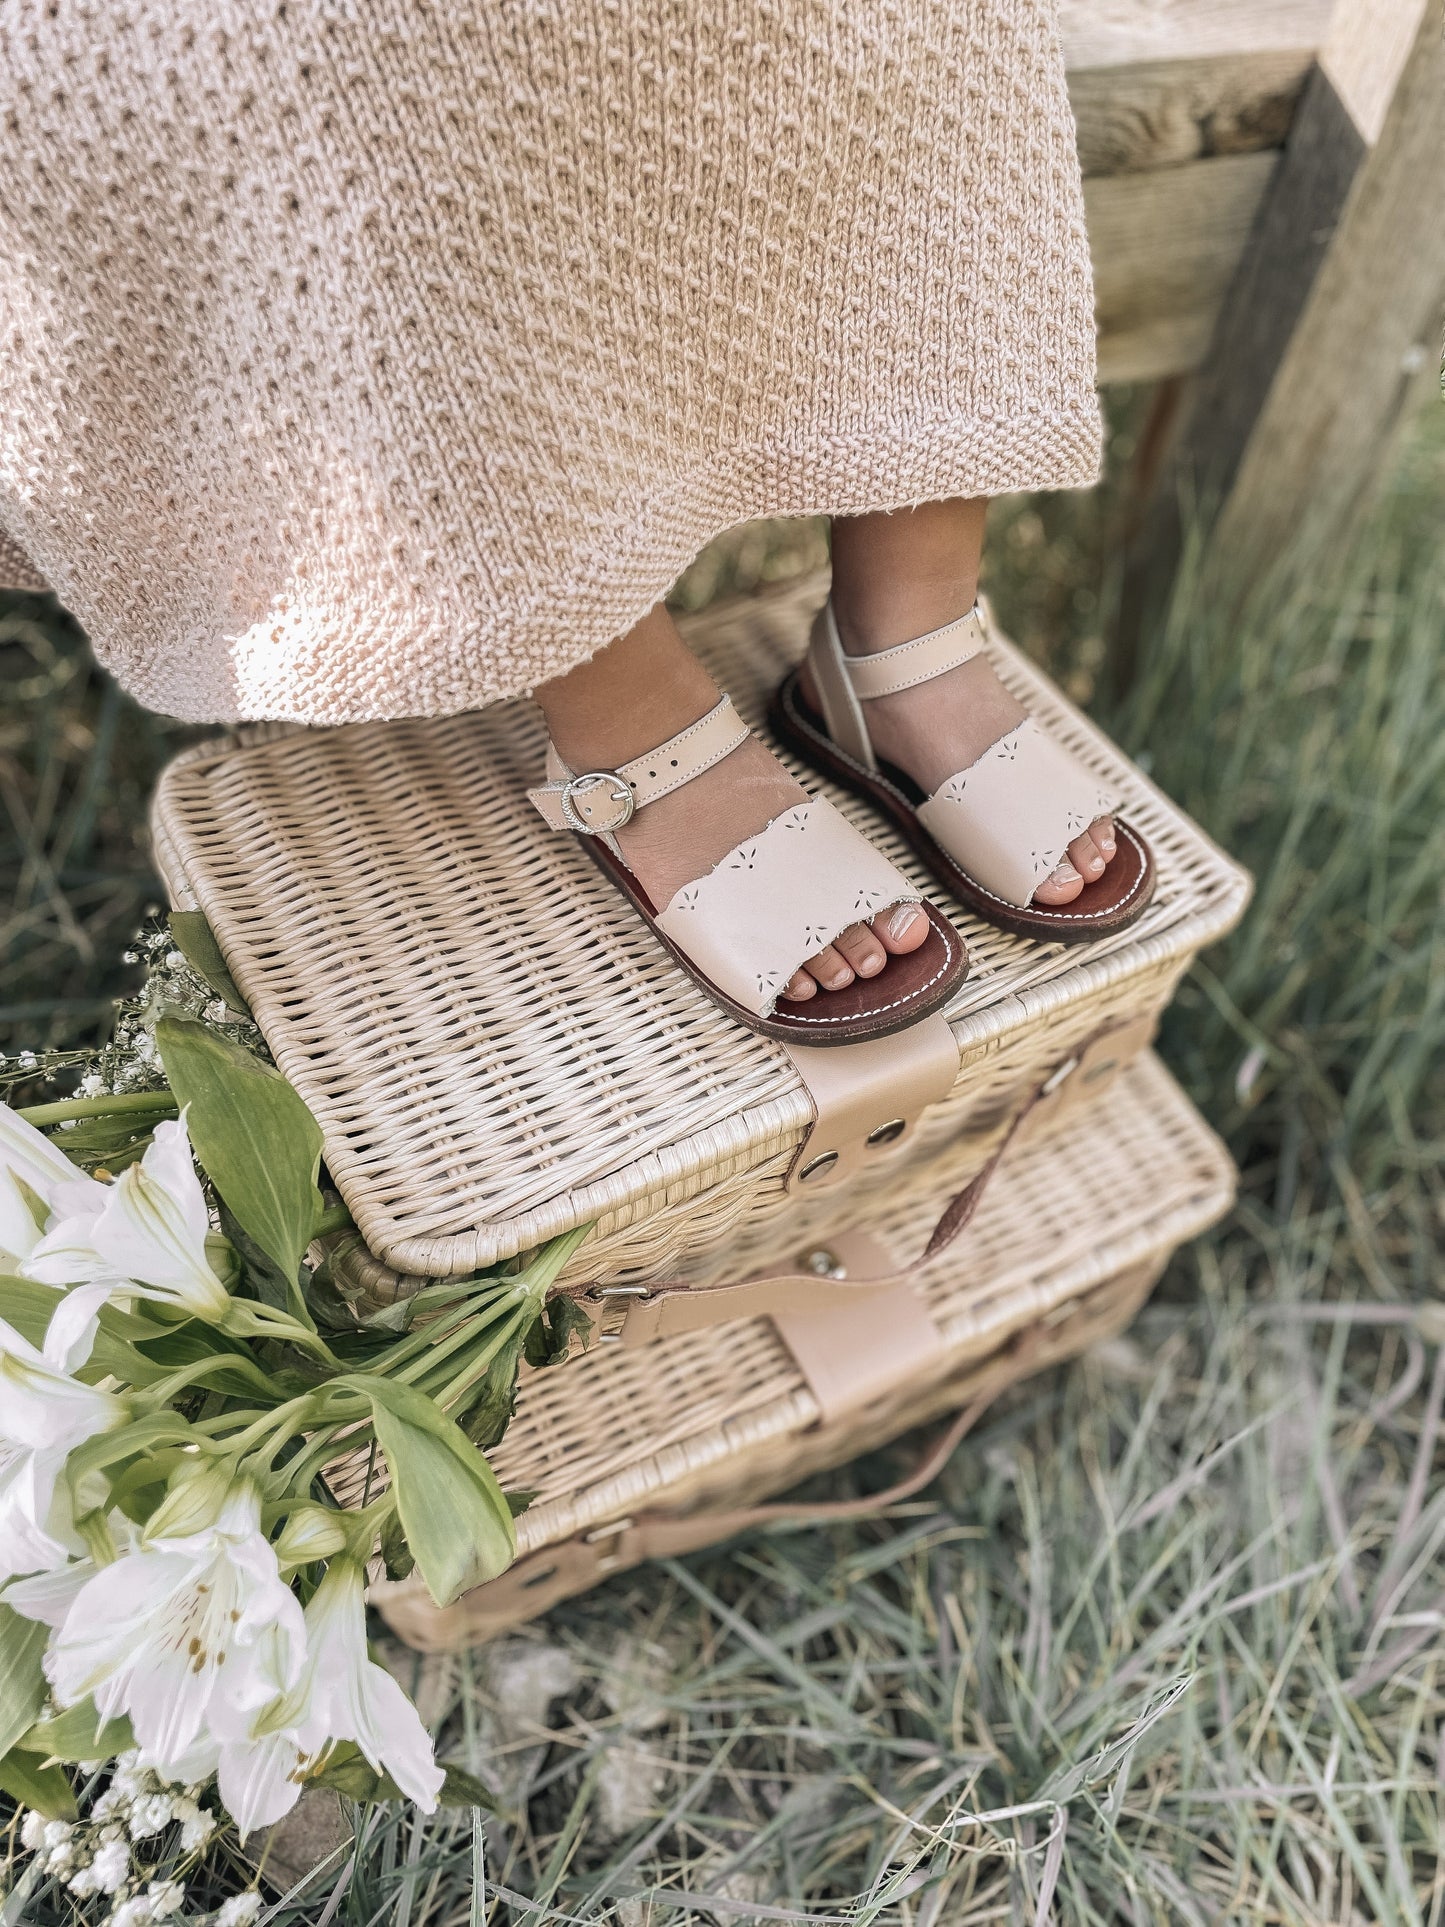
488,1073
633,1453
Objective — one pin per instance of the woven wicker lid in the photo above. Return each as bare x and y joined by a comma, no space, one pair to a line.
495,1046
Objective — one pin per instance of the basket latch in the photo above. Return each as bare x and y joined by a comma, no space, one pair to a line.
867,1099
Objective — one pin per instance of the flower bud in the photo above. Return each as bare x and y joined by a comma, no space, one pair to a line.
195,1496
311,1532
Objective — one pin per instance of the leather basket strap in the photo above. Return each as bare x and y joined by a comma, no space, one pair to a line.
541,1579
868,1099
854,1337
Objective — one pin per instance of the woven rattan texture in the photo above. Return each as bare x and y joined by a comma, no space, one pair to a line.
494,1044
723,1416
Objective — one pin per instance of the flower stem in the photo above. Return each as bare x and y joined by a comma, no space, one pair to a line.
465,1332
335,1217
248,1318
160,1103
477,1365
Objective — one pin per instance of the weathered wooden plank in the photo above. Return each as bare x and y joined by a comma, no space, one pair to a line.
1166,246
1163,113
1157,82
1117,33
1336,304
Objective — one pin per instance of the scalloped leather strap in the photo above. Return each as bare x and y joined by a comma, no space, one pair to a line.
779,897
775,899
1009,818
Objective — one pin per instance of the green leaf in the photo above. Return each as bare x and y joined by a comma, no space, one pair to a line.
256,1140
77,1734
105,1143
395,1552
22,1683
46,1788
463,1789
29,1307
346,1770
489,1407
196,941
260,1271
550,1339
452,1511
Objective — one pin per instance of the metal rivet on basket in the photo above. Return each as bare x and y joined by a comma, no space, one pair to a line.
886,1133
824,1264
817,1166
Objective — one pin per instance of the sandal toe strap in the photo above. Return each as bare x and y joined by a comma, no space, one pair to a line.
1009,818
777,899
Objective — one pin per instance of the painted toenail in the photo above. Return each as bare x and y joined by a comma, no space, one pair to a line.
840,979
1096,863
870,966
1066,873
901,921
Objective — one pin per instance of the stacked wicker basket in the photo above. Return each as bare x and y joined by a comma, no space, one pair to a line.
498,1051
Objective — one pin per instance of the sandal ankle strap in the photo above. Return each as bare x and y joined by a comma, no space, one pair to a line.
597,802
846,682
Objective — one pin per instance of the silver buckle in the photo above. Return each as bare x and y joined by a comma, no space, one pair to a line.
618,792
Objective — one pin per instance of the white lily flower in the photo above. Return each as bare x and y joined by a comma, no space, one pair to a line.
149,1228
44,1414
49,1596
28,1159
190,1636
342,1695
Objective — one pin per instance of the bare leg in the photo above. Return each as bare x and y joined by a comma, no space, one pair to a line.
898,576
636,693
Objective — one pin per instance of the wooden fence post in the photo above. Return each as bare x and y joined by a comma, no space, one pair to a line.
1331,322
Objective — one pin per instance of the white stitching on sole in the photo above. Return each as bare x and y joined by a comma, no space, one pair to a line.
878,1009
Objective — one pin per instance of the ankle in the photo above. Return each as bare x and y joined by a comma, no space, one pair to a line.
882,611
628,698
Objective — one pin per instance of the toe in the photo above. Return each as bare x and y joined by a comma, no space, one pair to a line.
901,929
1086,858
1062,887
864,953
1105,840
800,988
830,968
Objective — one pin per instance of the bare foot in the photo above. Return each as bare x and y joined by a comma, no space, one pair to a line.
899,576
636,693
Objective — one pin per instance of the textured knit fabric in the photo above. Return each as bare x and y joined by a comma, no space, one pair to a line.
370,358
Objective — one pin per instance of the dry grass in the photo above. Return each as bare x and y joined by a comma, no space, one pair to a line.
1164,1644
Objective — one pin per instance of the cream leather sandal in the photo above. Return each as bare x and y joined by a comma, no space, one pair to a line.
743,929
994,831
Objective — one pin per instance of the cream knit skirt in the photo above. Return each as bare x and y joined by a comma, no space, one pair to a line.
374,358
